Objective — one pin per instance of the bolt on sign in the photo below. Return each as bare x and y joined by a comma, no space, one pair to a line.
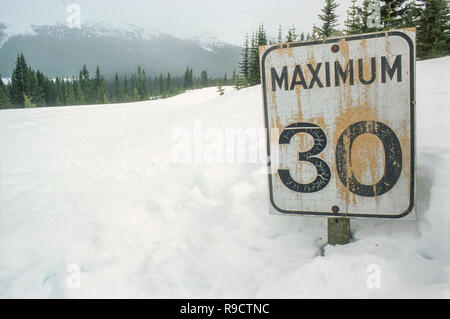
340,115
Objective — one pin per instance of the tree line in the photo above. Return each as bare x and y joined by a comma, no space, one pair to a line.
30,88
431,18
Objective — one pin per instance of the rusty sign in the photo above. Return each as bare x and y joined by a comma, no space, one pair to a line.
341,125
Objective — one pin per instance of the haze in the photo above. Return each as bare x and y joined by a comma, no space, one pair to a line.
226,20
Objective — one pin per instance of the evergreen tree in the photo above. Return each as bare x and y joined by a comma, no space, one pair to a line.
204,78
253,70
27,102
169,84
39,91
262,36
280,35
258,39
79,95
99,87
235,79
126,90
329,19
434,29
4,96
220,89
186,79
19,79
144,87
353,23
161,85
412,14
86,86
292,34
117,89
392,12
314,33
245,63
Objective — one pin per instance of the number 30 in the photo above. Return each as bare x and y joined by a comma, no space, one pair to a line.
392,158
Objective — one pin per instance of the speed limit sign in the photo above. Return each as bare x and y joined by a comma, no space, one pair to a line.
341,125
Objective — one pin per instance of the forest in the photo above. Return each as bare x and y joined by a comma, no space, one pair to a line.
32,88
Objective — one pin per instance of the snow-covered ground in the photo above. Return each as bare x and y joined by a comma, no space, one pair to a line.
96,187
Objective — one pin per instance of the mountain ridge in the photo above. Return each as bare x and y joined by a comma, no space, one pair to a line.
58,50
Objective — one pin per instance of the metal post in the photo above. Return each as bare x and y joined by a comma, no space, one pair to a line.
338,230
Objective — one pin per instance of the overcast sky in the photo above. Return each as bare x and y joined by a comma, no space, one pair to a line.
226,20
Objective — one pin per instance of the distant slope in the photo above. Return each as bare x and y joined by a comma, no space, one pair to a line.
97,187
60,51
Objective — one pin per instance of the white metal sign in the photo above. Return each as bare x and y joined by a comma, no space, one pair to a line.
340,119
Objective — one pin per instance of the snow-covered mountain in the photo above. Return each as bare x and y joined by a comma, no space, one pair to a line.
62,51
93,193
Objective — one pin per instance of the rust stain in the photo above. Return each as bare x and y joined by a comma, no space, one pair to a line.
363,44
262,49
405,140
344,48
299,103
351,114
285,51
367,149
275,123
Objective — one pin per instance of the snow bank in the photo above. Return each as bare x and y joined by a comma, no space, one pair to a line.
95,188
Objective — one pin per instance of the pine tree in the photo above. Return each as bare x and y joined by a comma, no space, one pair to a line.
162,90
412,14
392,13
292,34
314,33
99,87
433,36
258,39
353,23
186,79
19,85
204,78
79,95
145,88
4,98
253,70
126,90
245,63
87,86
39,93
27,102
220,89
169,84
329,19
280,35
235,80
117,89
262,36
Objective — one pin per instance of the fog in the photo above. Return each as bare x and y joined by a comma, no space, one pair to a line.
226,20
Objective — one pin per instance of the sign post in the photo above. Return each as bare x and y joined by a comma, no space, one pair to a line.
340,119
